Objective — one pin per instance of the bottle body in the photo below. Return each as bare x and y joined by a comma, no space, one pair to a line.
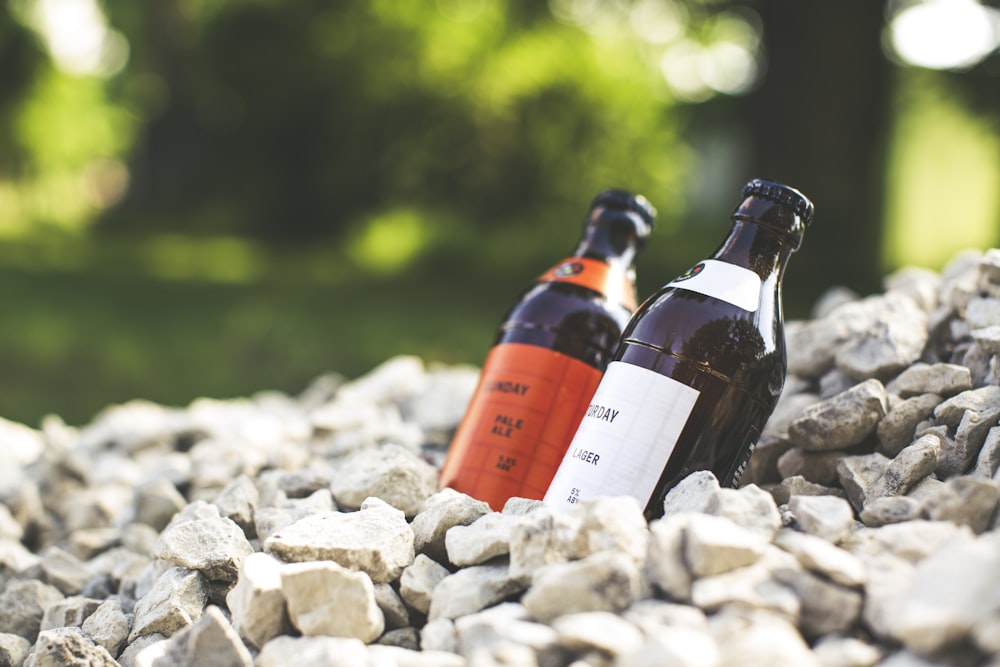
698,372
538,377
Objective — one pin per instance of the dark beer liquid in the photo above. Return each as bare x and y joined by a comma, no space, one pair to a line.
546,362
699,370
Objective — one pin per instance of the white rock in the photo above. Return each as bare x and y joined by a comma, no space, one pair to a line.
828,517
676,647
327,599
439,513
820,556
390,472
209,642
755,638
714,545
439,635
604,581
256,602
376,540
419,580
754,586
666,566
60,647
482,540
393,380
597,630
846,652
750,507
314,652
213,546
471,589
395,656
604,524
176,600
691,494
108,626
493,630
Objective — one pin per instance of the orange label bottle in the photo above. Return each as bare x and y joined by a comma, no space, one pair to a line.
547,361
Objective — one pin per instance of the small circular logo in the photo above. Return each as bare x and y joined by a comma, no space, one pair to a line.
568,269
691,273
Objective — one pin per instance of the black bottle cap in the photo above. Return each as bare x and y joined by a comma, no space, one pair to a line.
628,202
782,194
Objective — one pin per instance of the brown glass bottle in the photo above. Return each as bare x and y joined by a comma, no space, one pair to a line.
548,357
699,369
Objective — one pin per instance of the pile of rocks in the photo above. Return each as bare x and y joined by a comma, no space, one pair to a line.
308,530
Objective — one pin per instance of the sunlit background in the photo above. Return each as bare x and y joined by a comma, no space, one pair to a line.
215,197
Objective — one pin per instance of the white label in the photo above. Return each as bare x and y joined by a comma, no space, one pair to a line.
731,283
626,436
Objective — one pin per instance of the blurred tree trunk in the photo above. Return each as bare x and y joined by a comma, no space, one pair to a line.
818,123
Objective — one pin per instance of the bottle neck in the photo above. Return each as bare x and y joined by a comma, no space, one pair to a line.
610,236
758,247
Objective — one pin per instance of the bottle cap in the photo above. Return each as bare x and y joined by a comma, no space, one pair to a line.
628,202
782,194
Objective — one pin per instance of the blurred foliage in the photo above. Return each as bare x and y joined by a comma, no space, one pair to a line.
211,197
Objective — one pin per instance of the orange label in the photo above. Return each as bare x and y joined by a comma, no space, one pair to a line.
519,423
596,275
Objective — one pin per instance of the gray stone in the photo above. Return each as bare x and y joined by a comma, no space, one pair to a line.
758,638
691,494
890,509
987,339
911,465
912,541
15,557
439,635
210,642
763,466
958,453
10,529
988,461
921,378
534,542
895,340
108,626
13,649
238,501
826,608
679,647
846,652
950,591
754,586
23,603
797,485
64,570
314,652
609,523
969,501
399,656
714,545
472,589
71,611
841,421
67,647
820,556
750,507
257,605
508,624
484,539
665,564
327,599
790,406
156,502
828,517
393,608
213,546
176,600
982,312
859,475
833,382
597,630
419,580
985,401
130,654
442,511
920,284
270,520
604,581
390,472
896,430
815,467
516,506
376,540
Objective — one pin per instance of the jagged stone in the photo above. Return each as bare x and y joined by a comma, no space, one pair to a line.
826,608
270,520
797,485
210,642
419,580
441,512
108,626
846,652
910,466
818,555
156,503
754,586
665,564
391,472
325,598
472,589
257,605
750,507
376,540
814,467
238,501
604,581
484,539
406,657
691,494
859,475
318,651
897,429
828,517
23,603
714,545
890,509
65,647
895,339
393,608
13,649
841,421
597,630
71,611
921,378
507,624
969,501
758,638
214,546
175,601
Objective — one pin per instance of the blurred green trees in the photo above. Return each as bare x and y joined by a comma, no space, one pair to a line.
217,196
